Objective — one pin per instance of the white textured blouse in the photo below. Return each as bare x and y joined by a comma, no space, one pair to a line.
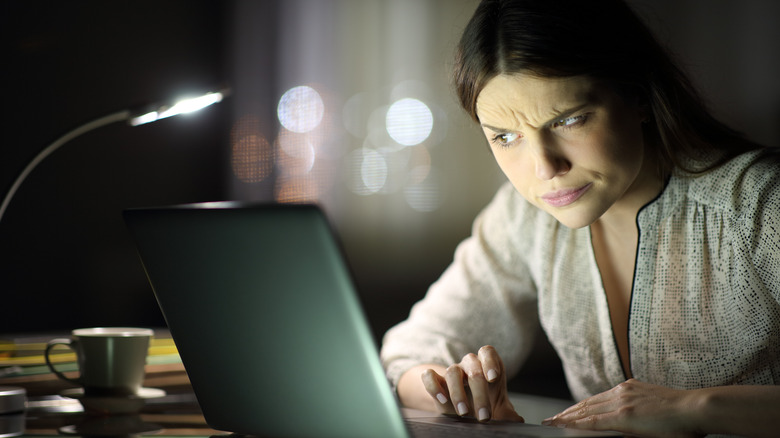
705,304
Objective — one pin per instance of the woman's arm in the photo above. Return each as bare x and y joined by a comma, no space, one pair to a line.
741,410
486,296
640,408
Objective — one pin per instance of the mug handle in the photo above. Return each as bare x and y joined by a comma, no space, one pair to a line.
49,346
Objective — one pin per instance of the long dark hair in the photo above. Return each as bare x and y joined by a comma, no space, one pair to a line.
604,40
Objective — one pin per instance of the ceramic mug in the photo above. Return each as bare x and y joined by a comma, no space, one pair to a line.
111,360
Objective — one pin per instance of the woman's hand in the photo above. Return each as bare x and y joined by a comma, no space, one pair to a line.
476,386
636,408
639,408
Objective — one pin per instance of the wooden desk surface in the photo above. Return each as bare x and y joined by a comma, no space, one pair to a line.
175,414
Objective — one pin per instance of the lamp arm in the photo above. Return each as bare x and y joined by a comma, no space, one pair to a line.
97,123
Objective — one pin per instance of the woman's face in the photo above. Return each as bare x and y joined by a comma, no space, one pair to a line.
570,146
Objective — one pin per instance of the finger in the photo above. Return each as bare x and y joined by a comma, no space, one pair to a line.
436,386
492,365
598,403
585,410
493,369
589,422
454,378
612,420
478,384
584,405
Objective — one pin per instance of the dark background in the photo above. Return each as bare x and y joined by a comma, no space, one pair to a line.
66,260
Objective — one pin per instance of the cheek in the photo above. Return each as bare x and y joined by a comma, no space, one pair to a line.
506,162
628,150
627,139
517,169
614,148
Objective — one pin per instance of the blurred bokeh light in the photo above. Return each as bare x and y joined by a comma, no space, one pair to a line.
300,109
409,121
252,157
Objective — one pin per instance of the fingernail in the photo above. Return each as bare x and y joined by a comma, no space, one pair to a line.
442,399
492,375
462,409
547,422
484,415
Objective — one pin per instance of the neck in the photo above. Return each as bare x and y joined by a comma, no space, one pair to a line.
621,217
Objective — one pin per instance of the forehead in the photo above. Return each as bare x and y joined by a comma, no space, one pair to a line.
532,98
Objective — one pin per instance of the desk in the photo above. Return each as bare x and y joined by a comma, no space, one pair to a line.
175,414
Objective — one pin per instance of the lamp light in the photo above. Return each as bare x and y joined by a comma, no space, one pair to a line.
180,107
133,118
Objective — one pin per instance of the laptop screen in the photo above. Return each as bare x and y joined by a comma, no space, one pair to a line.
262,308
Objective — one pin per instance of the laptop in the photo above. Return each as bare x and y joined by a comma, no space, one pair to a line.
262,308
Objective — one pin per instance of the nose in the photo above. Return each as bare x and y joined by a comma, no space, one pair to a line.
549,161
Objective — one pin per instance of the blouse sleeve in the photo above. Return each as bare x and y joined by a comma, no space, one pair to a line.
486,296
759,230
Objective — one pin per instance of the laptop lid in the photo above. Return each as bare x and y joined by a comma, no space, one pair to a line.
265,317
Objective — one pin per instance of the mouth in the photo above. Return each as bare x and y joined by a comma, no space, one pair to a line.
564,197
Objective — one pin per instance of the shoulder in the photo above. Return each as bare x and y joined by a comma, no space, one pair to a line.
745,185
510,230
510,214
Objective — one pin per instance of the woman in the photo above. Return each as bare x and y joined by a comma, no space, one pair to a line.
642,233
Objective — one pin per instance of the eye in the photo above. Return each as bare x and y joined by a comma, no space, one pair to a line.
568,122
505,139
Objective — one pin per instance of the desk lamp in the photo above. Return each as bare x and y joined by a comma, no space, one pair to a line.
133,118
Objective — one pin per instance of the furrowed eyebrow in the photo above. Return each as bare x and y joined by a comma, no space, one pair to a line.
562,115
494,129
566,113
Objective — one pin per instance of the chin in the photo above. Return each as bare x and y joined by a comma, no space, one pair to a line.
573,220
575,224
577,215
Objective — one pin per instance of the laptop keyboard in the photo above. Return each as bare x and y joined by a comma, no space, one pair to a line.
432,430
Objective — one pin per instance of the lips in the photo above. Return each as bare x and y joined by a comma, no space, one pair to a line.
564,197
